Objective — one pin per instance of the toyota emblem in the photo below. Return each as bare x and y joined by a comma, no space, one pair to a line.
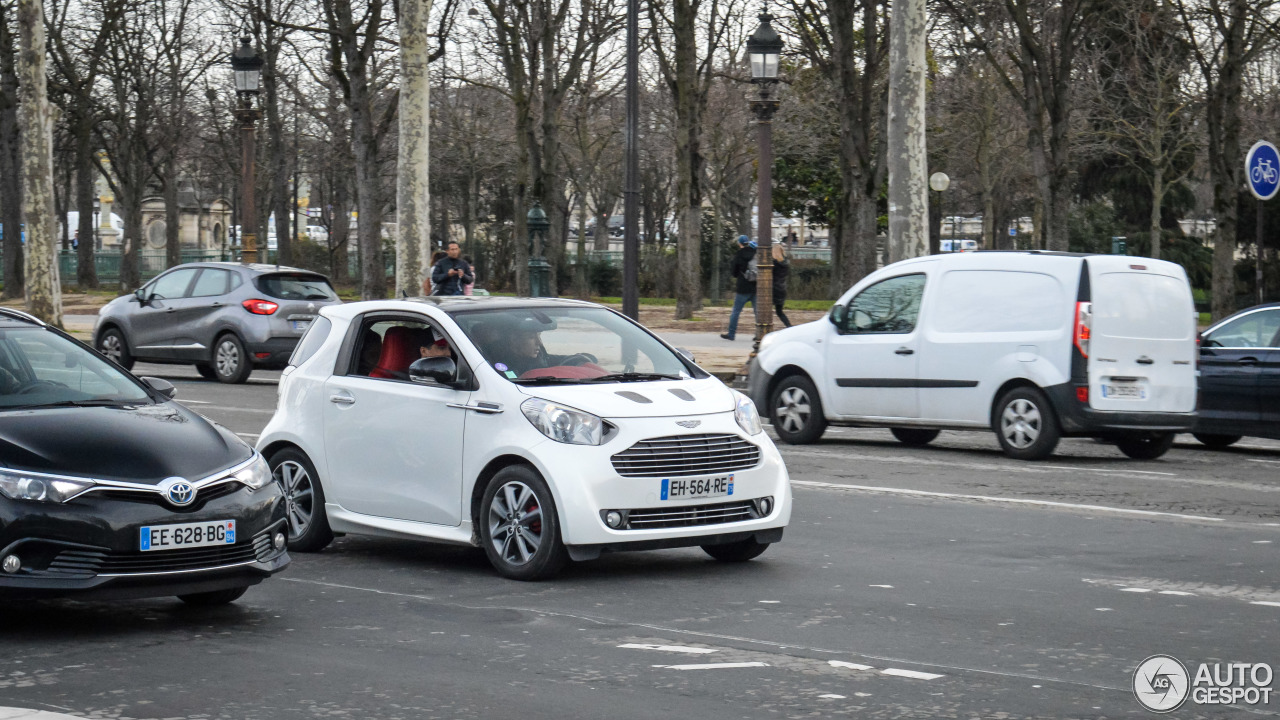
180,492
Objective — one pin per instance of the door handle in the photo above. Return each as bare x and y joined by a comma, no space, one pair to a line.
1247,361
904,351
1144,360
342,399
484,408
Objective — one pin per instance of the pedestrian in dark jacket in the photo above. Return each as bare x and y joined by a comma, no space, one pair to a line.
743,270
452,273
781,269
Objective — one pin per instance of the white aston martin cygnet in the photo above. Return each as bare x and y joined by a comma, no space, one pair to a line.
541,430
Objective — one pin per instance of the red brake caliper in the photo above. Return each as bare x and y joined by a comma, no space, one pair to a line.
536,525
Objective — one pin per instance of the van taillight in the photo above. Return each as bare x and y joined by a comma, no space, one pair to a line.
1082,394
1083,326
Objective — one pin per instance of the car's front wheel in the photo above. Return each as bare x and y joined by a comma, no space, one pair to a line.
1026,424
231,363
206,371
112,344
519,527
214,598
796,411
308,526
1147,446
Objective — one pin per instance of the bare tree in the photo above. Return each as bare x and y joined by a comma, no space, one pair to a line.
10,157
43,289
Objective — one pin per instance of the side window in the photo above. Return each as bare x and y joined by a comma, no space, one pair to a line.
211,283
387,347
172,285
311,342
1243,332
1271,327
888,307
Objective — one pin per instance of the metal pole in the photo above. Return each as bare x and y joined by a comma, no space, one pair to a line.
631,189
764,109
1258,245
248,117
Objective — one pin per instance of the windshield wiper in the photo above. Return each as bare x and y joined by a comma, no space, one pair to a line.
547,381
98,402
633,377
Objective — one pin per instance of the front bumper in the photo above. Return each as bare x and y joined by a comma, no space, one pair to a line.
587,486
88,547
758,387
1077,418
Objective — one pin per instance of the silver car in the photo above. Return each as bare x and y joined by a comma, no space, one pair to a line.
224,318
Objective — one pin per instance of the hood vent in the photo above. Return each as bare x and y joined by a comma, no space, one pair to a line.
682,394
634,397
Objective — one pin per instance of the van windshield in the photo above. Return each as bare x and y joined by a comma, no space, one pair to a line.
568,345
1142,306
39,368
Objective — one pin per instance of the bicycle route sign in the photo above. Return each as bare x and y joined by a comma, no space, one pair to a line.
1262,170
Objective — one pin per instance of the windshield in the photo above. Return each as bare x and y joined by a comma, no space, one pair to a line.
568,344
41,368
296,287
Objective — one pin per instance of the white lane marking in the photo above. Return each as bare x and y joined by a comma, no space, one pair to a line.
228,408
12,713
914,674
1177,592
184,401
1261,542
988,498
1242,593
1103,609
713,666
1137,590
1268,603
862,694
770,602
1109,472
882,586
668,648
848,665
832,696
1269,462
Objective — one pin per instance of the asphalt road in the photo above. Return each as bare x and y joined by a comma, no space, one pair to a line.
946,582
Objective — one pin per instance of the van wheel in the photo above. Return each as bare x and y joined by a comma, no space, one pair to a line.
1026,425
1147,446
113,345
1217,441
231,363
915,437
519,527
308,526
796,411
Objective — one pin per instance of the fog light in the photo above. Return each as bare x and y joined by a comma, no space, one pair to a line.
262,356
12,564
766,506
278,541
613,519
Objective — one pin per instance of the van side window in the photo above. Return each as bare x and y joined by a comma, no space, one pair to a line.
889,307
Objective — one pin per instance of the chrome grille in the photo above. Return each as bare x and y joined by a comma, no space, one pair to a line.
680,455
691,515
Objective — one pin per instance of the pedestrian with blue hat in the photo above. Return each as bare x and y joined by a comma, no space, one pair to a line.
743,270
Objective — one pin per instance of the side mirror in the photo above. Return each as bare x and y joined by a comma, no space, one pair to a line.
837,316
439,370
164,387
686,355
140,295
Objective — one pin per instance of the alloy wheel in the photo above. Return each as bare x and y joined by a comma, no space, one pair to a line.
515,523
794,409
227,359
299,496
1021,423
111,347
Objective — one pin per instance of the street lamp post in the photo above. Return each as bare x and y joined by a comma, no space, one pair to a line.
938,183
246,65
539,268
764,49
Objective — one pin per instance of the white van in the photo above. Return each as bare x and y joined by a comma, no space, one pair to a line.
1034,346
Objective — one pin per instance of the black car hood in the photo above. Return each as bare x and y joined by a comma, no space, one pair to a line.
137,443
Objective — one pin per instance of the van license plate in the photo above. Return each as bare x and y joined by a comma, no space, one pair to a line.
1125,392
187,535
697,488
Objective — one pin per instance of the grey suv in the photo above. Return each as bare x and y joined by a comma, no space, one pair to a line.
224,318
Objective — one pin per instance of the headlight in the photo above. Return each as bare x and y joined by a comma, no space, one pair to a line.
563,424
745,413
255,475
41,488
766,341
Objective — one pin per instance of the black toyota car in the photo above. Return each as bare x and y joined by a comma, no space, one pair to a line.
110,489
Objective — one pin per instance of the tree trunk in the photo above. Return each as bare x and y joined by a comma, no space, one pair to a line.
10,163
43,289
1157,201
689,160
582,246
172,215
1223,115
908,162
86,175
131,240
340,232
413,193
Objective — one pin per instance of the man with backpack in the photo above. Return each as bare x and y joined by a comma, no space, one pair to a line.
743,269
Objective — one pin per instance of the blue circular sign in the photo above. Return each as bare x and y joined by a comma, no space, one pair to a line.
1262,170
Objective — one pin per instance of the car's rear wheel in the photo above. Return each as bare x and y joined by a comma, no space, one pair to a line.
796,411
519,527
214,598
1026,424
1217,441
914,436
231,363
734,552
1147,446
206,371
308,526
112,344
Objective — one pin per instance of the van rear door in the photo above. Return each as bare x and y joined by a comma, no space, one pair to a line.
1142,349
